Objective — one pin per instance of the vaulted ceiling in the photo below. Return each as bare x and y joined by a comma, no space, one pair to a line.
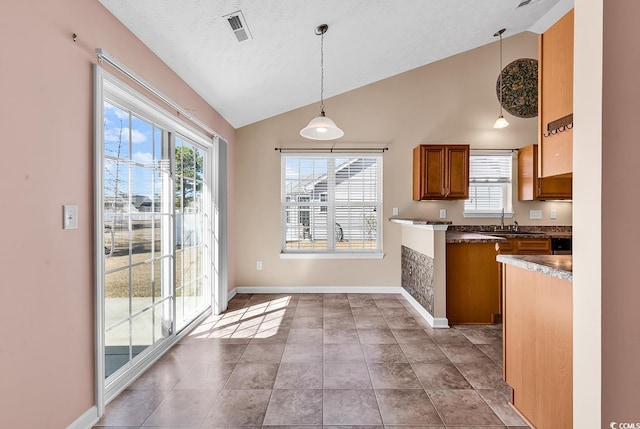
277,68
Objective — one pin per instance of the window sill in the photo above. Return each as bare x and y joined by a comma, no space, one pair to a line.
331,255
479,215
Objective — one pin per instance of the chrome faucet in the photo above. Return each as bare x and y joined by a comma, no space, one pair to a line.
515,225
502,220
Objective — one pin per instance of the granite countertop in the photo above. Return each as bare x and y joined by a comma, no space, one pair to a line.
559,266
471,237
418,221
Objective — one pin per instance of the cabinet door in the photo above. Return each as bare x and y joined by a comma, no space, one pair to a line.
555,85
533,246
554,188
530,187
457,179
428,172
507,247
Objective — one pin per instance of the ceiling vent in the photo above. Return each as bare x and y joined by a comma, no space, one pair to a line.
526,3
238,25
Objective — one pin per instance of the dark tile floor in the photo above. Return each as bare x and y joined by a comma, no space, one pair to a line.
318,360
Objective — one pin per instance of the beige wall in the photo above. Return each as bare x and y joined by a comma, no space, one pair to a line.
587,216
451,101
46,119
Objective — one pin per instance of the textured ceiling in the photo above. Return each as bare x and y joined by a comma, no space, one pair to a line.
279,68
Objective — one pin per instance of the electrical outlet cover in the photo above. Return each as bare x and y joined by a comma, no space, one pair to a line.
535,214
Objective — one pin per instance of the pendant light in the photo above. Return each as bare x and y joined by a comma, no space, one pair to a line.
501,122
321,127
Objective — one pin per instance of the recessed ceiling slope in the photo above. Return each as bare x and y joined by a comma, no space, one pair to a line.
277,69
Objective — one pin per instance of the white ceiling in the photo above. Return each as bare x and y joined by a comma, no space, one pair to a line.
279,68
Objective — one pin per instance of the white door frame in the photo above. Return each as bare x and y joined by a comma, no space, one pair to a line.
217,148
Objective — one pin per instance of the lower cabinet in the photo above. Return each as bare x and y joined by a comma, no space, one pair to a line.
538,346
525,246
473,286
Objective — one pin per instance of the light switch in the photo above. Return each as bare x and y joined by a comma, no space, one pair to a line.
69,216
443,213
396,212
535,214
553,214
258,265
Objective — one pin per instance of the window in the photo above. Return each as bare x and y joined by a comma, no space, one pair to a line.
331,204
489,185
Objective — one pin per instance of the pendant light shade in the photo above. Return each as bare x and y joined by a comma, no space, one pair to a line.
321,127
501,122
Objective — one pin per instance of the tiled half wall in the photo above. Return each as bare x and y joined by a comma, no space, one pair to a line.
417,277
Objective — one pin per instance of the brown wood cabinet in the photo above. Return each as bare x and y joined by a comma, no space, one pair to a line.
524,246
473,287
531,187
441,172
538,346
555,92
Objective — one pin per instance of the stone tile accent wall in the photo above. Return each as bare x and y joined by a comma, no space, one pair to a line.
417,277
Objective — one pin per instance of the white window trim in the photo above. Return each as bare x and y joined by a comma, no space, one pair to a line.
332,255
508,194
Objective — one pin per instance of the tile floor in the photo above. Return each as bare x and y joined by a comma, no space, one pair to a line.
318,360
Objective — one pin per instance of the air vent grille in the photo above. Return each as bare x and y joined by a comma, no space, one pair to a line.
526,3
238,25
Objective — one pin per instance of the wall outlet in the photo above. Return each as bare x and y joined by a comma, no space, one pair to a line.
396,211
535,214
259,265
553,214
443,213
69,217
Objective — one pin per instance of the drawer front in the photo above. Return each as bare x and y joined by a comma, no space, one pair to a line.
507,247
536,246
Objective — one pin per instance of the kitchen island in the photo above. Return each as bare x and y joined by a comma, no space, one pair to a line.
538,337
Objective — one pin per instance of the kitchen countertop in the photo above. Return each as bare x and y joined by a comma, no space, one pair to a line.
418,221
559,266
471,237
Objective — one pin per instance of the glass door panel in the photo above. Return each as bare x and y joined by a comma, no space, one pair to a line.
193,292
137,259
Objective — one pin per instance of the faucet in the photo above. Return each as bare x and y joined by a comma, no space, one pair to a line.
502,220
515,225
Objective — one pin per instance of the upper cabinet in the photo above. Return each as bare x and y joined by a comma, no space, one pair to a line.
555,88
441,172
532,187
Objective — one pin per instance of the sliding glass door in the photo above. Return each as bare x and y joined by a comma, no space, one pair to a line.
154,231
138,256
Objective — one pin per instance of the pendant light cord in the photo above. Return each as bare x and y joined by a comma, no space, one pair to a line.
322,73
500,71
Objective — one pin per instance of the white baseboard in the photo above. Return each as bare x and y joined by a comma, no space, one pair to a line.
317,289
434,322
86,420
232,293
